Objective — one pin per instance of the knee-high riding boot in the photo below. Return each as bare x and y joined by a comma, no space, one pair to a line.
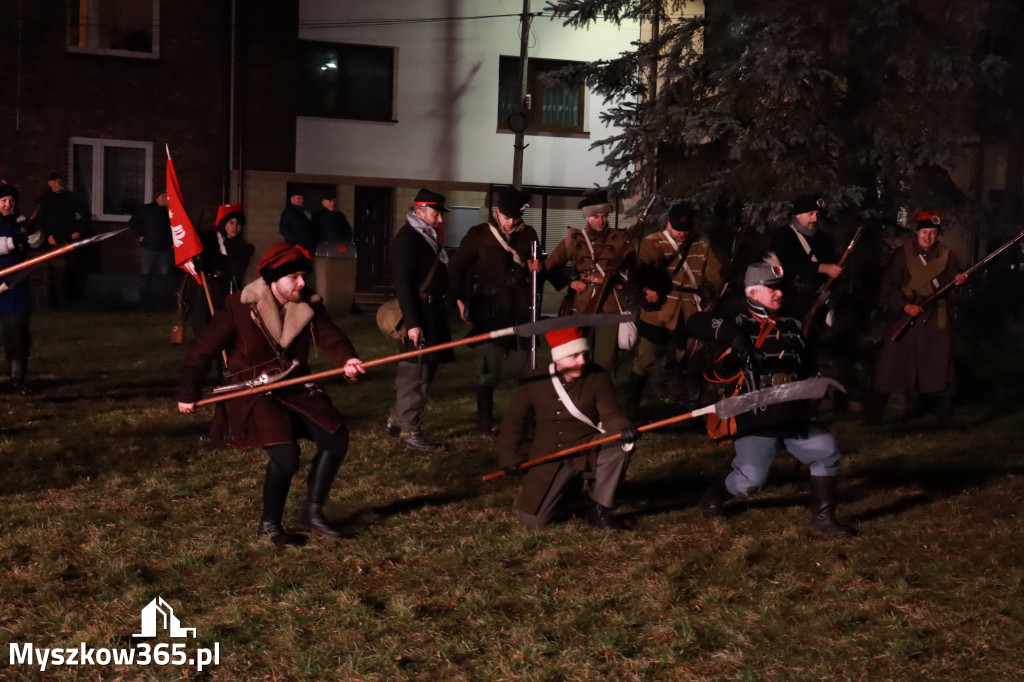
634,394
823,507
484,410
275,492
874,407
714,498
321,476
18,370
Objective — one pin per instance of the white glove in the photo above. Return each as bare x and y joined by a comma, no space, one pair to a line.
6,245
35,239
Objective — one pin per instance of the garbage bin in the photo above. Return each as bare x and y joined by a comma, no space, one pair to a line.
334,265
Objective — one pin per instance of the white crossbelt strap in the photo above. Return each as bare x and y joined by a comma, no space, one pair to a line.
803,242
597,265
505,245
567,401
686,268
924,261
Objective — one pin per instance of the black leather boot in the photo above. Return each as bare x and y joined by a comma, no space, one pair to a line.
484,410
874,408
712,501
275,492
321,476
600,516
18,386
634,395
693,386
944,409
823,507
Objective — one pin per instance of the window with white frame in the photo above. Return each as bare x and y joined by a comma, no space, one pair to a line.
114,176
127,28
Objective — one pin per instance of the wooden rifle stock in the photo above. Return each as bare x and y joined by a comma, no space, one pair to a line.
898,328
615,263
823,292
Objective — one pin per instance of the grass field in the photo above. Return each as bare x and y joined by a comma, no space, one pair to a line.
109,498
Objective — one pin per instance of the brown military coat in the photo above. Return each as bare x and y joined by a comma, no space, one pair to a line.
701,266
536,402
486,278
573,249
922,359
257,338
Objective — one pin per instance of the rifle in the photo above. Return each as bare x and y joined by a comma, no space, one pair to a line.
182,305
615,262
897,329
823,292
524,330
726,408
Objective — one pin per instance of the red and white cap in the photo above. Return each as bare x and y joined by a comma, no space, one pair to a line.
566,342
928,219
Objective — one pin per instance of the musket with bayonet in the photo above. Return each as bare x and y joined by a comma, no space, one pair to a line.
897,329
726,408
824,290
524,330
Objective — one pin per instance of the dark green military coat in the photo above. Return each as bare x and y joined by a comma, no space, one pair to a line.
535,401
495,290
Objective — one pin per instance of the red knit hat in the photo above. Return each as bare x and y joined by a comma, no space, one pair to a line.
283,259
928,219
566,342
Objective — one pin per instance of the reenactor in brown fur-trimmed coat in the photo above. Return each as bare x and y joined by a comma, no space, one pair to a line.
567,403
920,361
264,328
492,285
589,250
672,270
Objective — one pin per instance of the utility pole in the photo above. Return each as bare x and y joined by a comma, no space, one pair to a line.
524,98
651,155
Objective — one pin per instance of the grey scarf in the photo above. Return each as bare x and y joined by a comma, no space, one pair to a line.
428,233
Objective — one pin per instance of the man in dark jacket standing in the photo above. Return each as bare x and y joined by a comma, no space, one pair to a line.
492,285
295,225
267,327
807,255
64,217
767,349
329,223
151,225
565,404
420,267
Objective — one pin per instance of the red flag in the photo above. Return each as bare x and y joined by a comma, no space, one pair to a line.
186,241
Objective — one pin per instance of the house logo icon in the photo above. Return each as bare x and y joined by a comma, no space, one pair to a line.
159,613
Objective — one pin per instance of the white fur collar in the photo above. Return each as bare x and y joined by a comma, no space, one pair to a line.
296,315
